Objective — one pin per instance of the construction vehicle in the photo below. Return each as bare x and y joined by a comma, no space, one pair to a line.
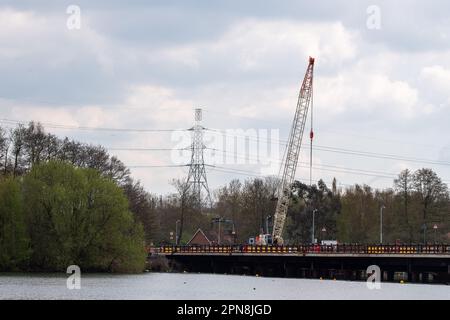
289,165
262,240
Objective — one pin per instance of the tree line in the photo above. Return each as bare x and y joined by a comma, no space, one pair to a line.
416,209
416,203
64,202
57,215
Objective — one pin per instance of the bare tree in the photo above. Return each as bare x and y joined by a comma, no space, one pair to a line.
430,189
4,148
404,186
17,137
34,143
186,200
118,171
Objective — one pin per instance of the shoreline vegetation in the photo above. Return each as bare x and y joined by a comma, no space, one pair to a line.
59,215
63,202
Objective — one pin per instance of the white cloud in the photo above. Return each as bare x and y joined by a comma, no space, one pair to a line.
160,106
250,68
258,44
437,79
357,90
50,115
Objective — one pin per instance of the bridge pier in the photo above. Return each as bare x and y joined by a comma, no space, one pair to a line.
390,276
290,271
409,273
303,272
425,277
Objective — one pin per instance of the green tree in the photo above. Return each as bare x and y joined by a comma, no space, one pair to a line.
14,250
143,205
359,218
305,199
76,216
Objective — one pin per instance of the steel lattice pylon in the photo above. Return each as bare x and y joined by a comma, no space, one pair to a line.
197,174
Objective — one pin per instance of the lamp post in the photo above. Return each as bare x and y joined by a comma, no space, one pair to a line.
381,224
221,220
324,230
267,223
176,232
424,229
218,236
313,226
435,227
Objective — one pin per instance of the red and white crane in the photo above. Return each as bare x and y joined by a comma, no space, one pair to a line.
293,153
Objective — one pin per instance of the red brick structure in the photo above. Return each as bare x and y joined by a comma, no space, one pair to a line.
199,238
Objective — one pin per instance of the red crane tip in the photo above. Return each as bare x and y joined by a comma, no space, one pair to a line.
311,60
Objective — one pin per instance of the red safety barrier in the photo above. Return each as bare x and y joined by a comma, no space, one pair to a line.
310,248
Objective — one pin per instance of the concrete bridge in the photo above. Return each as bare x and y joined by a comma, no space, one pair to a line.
412,263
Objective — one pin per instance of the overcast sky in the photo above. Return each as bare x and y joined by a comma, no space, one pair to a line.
381,95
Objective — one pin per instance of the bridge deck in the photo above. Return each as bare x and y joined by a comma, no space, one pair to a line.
346,262
331,255
341,250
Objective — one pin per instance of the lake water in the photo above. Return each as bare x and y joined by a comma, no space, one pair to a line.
204,286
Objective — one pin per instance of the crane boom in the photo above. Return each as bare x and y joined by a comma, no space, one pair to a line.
292,153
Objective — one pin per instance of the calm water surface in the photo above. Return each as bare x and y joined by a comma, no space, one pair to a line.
204,286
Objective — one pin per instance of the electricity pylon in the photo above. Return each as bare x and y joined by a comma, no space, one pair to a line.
197,174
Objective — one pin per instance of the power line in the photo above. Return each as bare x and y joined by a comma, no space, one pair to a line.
258,175
278,124
336,170
280,161
323,167
380,174
87,128
228,114
317,147
258,139
381,155
214,168
342,150
147,149
158,166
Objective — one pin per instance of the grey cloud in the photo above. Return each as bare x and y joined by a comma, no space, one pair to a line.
138,38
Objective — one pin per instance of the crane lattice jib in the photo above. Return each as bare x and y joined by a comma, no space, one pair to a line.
292,152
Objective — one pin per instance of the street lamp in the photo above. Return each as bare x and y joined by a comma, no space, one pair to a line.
267,223
233,232
313,226
424,229
381,224
324,230
176,232
220,220
435,227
